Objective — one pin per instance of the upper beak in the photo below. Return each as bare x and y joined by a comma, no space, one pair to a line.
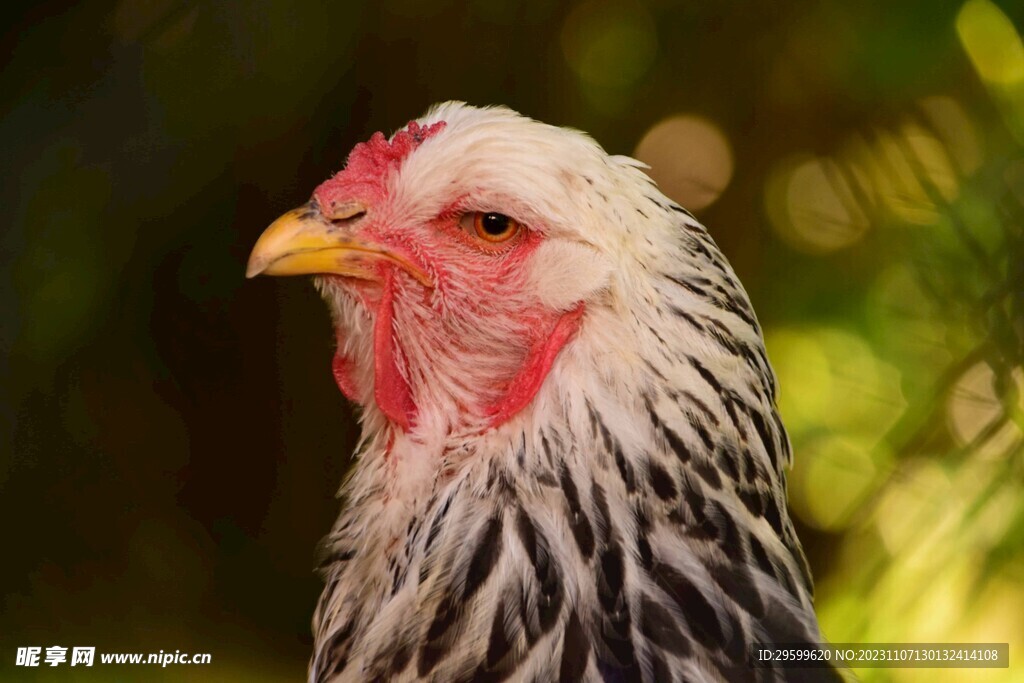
305,242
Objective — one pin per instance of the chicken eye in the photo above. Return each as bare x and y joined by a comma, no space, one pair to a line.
490,226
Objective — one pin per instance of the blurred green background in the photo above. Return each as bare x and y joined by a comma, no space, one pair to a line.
170,435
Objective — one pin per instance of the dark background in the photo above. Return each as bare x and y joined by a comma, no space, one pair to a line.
170,436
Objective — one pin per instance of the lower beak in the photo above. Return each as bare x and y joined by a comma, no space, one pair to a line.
304,242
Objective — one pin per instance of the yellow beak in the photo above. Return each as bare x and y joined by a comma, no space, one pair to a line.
304,242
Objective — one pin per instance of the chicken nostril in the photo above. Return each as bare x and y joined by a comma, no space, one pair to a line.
344,212
349,220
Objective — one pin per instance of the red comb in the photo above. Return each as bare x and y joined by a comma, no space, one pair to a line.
370,163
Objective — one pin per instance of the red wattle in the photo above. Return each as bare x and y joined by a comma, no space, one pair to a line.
342,369
524,386
391,391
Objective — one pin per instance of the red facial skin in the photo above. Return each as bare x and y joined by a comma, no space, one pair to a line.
494,271
525,385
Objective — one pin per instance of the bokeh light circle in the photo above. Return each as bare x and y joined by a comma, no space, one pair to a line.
690,159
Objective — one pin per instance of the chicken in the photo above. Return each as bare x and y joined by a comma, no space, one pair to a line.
571,465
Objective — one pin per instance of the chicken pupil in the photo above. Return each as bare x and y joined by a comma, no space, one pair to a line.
495,223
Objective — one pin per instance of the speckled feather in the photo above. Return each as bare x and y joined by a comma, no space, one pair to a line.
630,523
